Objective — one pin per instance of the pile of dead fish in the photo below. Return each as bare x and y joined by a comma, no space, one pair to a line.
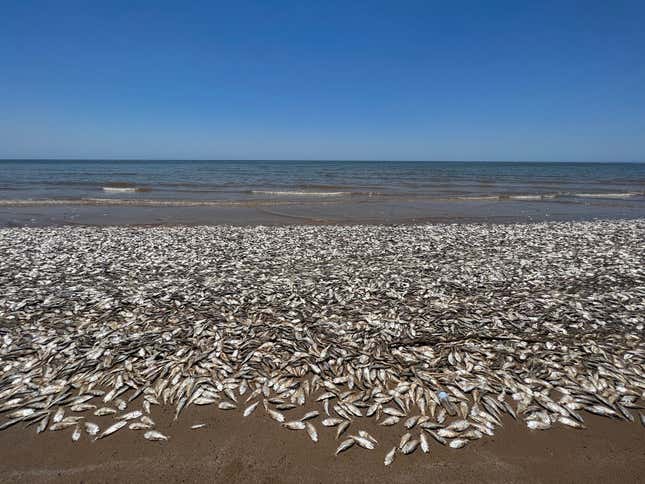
440,332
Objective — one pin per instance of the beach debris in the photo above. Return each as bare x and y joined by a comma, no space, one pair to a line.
311,431
344,445
389,457
154,435
446,331
112,428
250,409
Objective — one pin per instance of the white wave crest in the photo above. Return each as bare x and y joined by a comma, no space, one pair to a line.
289,193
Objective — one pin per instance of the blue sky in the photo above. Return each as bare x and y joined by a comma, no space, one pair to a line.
323,80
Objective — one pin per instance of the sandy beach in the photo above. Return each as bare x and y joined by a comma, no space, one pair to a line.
497,353
235,449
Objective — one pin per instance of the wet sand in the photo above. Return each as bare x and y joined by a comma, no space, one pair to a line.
320,212
256,449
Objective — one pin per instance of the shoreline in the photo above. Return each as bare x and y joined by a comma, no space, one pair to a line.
470,335
320,212
235,449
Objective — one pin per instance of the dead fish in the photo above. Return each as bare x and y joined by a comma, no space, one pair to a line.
341,428
472,434
389,457
367,435
411,422
570,422
404,439
425,445
436,437
23,412
294,425
82,407
154,435
112,428
226,405
459,425
390,421
277,416
139,426
332,421
537,425
58,416
410,446
66,423
42,425
105,411
250,409
9,423
76,434
458,443
91,428
310,415
363,442
130,415
199,426
393,412
147,420
344,445
311,430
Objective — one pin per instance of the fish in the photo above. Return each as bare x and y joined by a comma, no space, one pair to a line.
537,425
130,415
154,435
277,416
294,425
423,441
404,439
389,457
311,431
58,416
147,420
367,435
91,428
363,442
332,421
112,428
570,422
104,411
344,445
390,421
250,409
139,426
410,446
424,336
42,425
458,443
341,428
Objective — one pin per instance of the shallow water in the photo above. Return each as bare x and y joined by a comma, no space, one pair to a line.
256,192
269,180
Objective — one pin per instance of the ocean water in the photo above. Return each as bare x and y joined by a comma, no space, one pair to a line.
256,181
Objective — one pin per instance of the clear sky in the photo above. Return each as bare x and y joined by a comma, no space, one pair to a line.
441,80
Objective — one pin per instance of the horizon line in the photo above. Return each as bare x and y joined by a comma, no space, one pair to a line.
311,160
